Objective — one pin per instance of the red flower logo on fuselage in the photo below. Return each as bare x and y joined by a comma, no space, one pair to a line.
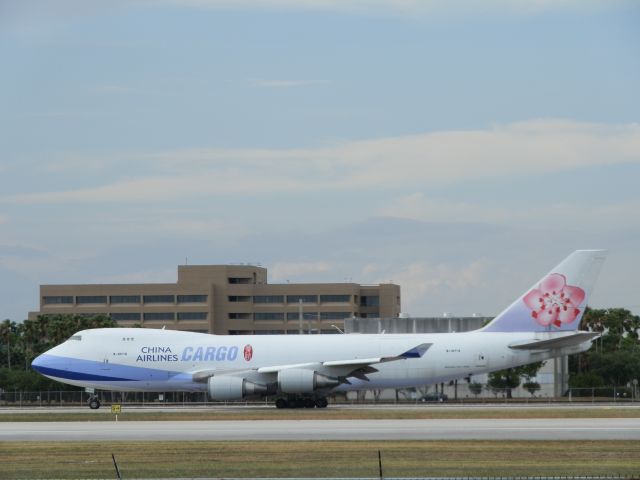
554,302
248,352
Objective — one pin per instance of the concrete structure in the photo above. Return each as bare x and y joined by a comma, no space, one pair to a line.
553,377
225,299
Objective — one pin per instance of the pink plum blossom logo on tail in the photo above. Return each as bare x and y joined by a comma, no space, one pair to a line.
554,302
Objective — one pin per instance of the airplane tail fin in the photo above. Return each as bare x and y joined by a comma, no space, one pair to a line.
557,301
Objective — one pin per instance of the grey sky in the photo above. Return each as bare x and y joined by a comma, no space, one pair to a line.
460,149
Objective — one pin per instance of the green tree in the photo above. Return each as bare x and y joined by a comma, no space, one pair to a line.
614,358
619,327
531,387
33,337
504,381
8,339
475,388
616,368
586,380
510,378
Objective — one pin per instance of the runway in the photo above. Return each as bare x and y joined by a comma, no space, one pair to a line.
432,429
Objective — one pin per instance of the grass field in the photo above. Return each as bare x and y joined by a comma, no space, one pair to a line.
332,413
70,460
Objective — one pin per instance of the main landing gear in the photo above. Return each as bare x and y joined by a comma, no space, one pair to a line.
298,401
94,403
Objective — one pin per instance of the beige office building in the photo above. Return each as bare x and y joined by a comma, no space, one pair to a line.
225,299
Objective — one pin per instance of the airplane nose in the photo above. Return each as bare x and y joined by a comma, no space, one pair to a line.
38,363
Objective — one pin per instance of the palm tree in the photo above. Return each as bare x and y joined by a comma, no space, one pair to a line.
7,328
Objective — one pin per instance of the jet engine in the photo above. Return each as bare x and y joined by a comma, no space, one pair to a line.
297,380
234,388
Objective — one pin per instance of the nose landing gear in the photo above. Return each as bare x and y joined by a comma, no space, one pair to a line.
94,402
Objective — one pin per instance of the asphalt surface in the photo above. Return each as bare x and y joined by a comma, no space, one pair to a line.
432,429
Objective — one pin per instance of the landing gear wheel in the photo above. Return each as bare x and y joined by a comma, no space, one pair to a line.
309,403
94,403
281,403
321,402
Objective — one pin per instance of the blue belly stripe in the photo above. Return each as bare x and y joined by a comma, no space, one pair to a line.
71,375
78,369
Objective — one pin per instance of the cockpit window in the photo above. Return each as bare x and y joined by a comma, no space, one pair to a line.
76,337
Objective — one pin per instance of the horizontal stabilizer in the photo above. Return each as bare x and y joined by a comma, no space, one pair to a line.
560,342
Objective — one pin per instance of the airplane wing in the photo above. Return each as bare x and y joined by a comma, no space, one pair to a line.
354,367
415,352
560,342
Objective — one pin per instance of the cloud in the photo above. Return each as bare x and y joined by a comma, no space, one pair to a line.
417,206
3,219
170,224
434,158
399,7
41,19
424,280
37,264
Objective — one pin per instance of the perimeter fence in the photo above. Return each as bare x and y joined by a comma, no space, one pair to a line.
614,394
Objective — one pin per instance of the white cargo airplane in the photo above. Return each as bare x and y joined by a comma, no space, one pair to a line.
301,370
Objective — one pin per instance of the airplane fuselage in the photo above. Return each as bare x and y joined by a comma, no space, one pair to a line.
134,359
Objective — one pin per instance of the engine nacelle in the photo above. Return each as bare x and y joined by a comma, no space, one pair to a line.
233,388
298,380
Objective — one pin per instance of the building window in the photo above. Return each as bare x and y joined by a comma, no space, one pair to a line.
305,315
125,316
369,301
304,298
91,299
268,332
159,316
236,298
158,299
268,299
335,298
239,316
57,300
124,299
334,315
240,280
268,316
192,299
192,315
